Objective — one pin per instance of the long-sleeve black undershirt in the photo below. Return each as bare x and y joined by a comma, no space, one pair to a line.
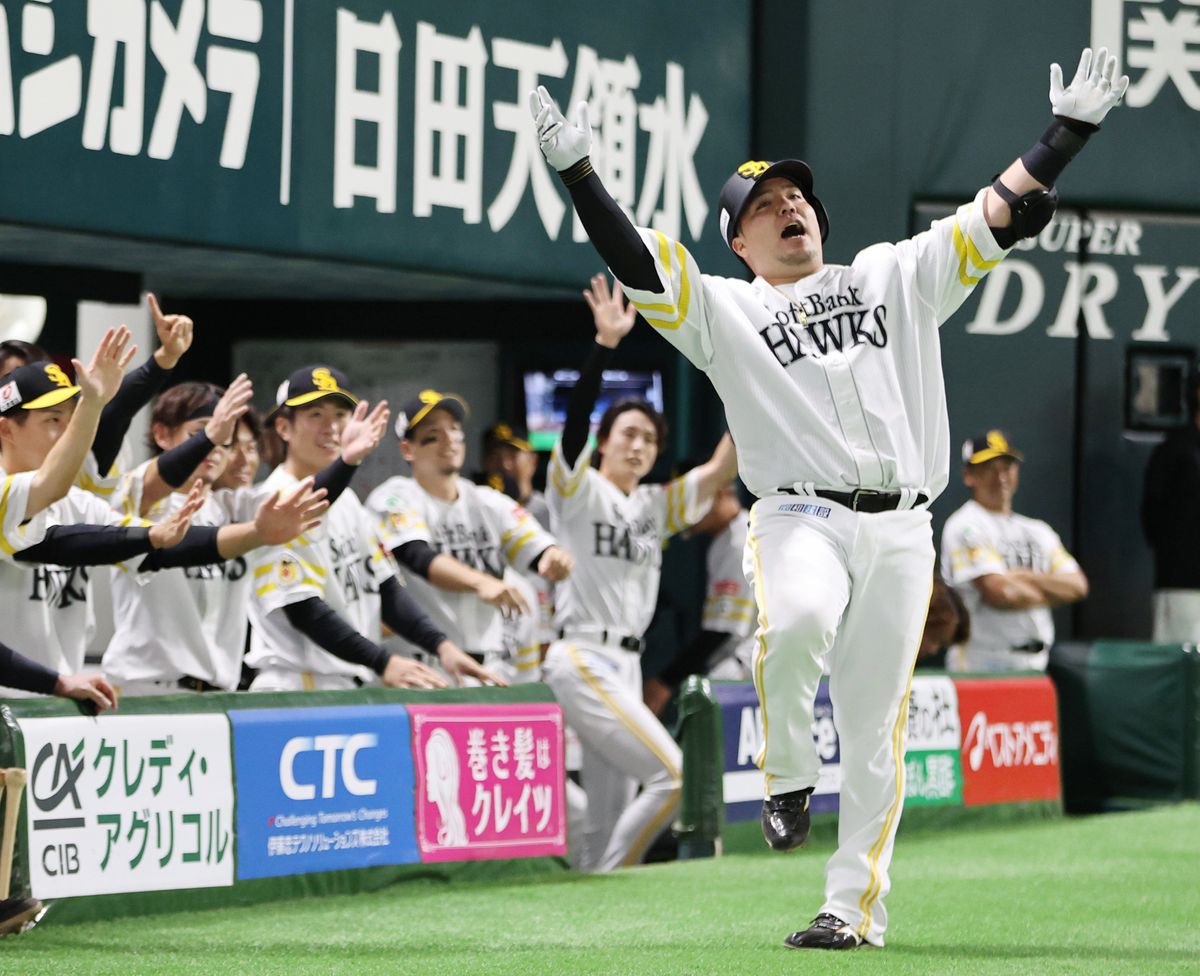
320,623
405,617
581,403
138,388
18,671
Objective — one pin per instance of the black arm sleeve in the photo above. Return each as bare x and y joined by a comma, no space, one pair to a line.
1060,143
406,618
319,622
417,556
87,545
582,401
693,657
176,464
18,671
335,479
198,548
616,240
137,389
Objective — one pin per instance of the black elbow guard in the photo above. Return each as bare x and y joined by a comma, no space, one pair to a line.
1031,212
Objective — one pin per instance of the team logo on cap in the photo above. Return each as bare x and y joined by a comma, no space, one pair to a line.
752,169
10,396
997,441
429,396
322,379
54,371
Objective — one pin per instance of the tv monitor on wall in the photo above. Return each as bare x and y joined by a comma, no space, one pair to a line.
547,392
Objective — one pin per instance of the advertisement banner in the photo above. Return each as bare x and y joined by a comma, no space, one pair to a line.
933,771
741,717
490,781
119,804
1010,740
320,789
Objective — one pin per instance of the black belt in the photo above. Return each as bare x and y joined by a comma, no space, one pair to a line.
625,642
1031,647
863,499
197,684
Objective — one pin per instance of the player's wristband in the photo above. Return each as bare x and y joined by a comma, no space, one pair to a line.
177,464
1060,143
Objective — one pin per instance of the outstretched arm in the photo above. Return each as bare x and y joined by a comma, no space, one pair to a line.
1079,108
717,471
566,145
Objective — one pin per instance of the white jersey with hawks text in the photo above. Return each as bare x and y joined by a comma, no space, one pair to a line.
482,528
977,542
341,561
834,381
183,622
47,609
617,542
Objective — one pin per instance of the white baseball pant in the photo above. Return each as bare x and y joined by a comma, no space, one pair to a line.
624,745
1177,616
854,587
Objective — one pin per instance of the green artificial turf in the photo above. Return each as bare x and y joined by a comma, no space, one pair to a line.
1105,895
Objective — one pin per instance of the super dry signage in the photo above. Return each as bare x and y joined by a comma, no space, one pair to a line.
362,128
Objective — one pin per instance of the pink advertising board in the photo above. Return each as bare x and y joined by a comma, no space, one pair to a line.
489,781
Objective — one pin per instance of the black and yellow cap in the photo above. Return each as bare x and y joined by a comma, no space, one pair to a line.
312,383
735,194
987,446
502,435
35,386
418,408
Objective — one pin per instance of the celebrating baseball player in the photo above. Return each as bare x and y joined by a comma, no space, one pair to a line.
832,384
616,526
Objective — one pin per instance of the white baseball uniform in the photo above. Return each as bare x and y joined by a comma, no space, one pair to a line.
181,622
603,608
729,602
834,382
482,528
341,561
46,609
977,542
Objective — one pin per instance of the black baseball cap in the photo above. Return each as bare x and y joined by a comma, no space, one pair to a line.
35,386
737,189
502,435
312,383
418,408
985,447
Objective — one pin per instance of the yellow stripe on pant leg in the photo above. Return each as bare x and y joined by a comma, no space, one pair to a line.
638,850
761,653
624,719
875,884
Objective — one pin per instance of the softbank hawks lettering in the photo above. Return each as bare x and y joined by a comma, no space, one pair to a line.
1010,744
59,586
795,335
478,548
635,542
352,571
329,746
230,570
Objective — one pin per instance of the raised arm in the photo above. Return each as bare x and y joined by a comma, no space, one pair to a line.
717,471
97,382
565,146
361,435
142,384
1017,203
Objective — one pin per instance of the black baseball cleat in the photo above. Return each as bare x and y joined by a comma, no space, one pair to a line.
826,932
785,820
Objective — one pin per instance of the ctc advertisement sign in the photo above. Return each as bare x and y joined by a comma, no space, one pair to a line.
1009,740
490,781
321,789
137,803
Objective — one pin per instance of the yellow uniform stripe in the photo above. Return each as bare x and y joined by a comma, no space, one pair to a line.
651,831
4,543
518,545
263,570
613,707
875,883
307,681
761,653
264,590
680,308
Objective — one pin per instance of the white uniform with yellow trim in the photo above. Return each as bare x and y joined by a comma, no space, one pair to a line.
835,382
729,601
45,609
342,562
483,528
609,597
977,542
182,622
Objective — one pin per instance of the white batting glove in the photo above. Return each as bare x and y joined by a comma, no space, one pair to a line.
1094,90
563,143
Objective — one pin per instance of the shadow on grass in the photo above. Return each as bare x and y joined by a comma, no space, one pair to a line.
941,953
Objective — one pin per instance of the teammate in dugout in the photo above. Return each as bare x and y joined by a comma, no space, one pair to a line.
459,543
319,599
831,379
616,526
187,628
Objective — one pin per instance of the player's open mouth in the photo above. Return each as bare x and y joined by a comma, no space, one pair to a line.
792,230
